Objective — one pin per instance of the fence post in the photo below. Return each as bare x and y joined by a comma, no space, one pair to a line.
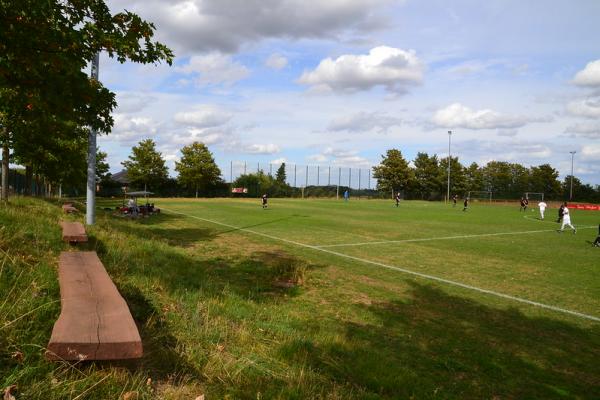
369,178
349,178
337,193
270,169
306,178
359,171
295,176
329,177
244,167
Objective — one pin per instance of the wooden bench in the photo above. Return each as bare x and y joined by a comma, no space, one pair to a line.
95,322
68,208
73,232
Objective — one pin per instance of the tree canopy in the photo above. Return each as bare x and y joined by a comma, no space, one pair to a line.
197,167
393,173
146,168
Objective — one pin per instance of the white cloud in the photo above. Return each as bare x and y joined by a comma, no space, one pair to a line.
457,115
276,61
591,152
203,116
341,158
588,108
269,148
129,102
394,69
364,122
225,25
128,129
586,130
279,161
507,132
589,76
215,69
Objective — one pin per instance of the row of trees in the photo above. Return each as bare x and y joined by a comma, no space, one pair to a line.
427,180
47,102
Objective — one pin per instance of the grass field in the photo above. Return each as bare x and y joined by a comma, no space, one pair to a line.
323,299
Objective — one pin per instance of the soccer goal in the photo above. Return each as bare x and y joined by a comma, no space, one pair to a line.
534,196
480,195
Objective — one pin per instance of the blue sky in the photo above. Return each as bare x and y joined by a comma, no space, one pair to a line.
340,82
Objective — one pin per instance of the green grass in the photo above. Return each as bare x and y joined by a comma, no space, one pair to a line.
216,315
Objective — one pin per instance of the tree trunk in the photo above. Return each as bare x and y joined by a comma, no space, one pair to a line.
28,176
5,168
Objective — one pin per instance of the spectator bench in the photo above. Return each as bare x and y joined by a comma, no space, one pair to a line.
95,322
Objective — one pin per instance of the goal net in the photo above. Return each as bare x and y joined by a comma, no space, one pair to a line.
534,196
480,195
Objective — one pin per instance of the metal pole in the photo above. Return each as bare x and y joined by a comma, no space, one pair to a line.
449,140
244,167
318,173
369,178
359,173
270,169
90,214
349,178
306,177
295,175
571,191
231,172
257,168
337,193
329,177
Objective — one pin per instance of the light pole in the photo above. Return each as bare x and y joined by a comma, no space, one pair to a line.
90,213
571,191
449,141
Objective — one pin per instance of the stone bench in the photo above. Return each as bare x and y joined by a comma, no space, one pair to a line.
73,232
95,322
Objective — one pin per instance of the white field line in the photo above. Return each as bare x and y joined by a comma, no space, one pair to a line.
442,238
403,270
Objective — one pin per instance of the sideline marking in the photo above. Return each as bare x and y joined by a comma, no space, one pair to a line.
441,238
394,268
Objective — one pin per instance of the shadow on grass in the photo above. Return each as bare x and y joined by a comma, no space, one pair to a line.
443,346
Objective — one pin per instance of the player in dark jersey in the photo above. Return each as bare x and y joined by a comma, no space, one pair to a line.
454,199
561,212
526,204
264,201
466,204
597,241
523,204
397,199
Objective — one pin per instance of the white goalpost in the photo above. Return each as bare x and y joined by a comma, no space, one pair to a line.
534,196
480,195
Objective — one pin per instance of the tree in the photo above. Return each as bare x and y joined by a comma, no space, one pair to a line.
393,173
544,179
474,178
427,179
197,167
257,184
45,46
458,180
102,166
280,174
146,166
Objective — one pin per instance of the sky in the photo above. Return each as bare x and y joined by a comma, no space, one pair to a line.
337,83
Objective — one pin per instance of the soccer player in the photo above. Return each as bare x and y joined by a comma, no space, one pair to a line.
542,206
523,205
597,241
561,210
264,201
454,198
397,199
566,220
466,204
526,204
346,195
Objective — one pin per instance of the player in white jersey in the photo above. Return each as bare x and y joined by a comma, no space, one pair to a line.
566,220
542,207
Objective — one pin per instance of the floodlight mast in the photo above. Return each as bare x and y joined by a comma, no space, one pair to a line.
90,214
449,141
571,190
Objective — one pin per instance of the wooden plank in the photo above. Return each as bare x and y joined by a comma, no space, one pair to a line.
73,232
95,322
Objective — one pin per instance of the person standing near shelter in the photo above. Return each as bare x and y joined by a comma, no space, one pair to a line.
397,199
542,207
566,220
264,201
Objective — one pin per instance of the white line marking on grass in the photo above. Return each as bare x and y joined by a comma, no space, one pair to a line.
394,268
441,238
